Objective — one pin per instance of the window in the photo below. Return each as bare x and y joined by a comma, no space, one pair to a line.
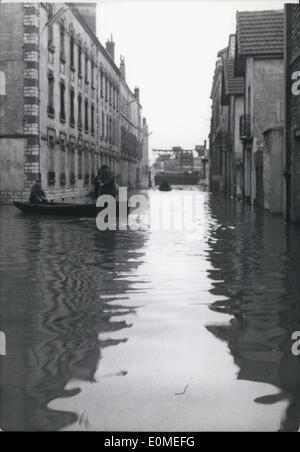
50,94
106,89
92,75
107,128
62,43
110,130
86,69
114,97
51,148
79,59
50,37
86,164
79,172
79,112
86,115
72,160
62,115
113,132
92,119
50,29
72,107
62,176
72,63
101,84
110,92
103,125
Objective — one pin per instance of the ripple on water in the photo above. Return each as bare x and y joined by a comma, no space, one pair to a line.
104,328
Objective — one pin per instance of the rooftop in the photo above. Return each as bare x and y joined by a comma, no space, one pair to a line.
260,32
233,85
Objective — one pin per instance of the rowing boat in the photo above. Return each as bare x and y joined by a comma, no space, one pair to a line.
61,209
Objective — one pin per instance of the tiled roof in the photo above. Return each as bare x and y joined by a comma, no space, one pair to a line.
233,85
260,32
222,52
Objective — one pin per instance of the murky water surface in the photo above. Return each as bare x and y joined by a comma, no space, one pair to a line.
149,330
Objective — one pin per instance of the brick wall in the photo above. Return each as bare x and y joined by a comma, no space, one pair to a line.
31,92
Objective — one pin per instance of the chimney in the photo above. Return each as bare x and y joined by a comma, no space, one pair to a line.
110,47
137,93
88,13
204,144
122,67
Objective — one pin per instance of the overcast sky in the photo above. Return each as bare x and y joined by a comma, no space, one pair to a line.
170,49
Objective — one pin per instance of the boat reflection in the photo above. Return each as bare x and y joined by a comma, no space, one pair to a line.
53,309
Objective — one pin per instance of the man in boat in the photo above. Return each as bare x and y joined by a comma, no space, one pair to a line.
97,183
107,184
37,195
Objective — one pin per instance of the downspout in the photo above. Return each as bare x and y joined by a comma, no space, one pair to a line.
287,149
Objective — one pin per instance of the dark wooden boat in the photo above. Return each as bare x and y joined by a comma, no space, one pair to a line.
165,187
60,209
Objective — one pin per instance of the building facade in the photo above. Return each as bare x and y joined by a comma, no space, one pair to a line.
247,130
219,127
292,116
259,59
233,91
64,103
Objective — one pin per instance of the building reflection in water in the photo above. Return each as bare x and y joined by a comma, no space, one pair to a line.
53,310
256,261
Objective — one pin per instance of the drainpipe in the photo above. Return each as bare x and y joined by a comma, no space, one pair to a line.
287,146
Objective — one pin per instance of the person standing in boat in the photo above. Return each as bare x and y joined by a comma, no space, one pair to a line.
97,183
37,195
107,184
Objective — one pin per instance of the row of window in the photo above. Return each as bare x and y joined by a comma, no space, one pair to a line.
107,89
86,160
108,124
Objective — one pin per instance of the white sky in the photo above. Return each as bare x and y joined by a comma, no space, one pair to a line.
170,49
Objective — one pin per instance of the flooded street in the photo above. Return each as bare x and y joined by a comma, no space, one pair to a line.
150,330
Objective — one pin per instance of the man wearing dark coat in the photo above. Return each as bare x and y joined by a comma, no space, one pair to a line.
37,195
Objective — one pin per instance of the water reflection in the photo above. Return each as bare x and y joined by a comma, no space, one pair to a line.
53,310
256,271
104,329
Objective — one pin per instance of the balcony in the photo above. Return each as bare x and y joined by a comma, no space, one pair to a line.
245,127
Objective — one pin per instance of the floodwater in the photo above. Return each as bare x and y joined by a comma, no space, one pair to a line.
147,329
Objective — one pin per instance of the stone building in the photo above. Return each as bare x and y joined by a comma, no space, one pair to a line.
259,59
233,91
292,119
218,137
65,104
246,138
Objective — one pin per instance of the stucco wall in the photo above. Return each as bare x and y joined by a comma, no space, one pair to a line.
12,66
264,103
12,176
273,170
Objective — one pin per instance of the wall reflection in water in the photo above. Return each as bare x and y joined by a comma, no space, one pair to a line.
53,309
256,261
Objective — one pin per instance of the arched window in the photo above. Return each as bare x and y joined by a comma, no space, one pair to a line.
2,84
